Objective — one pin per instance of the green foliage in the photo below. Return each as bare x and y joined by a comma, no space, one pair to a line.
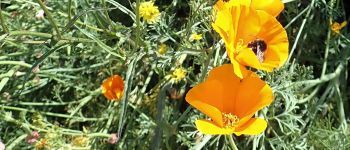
50,81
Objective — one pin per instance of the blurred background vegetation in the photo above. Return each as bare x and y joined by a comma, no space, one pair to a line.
52,67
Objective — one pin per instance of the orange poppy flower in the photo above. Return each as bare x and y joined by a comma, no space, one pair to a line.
113,87
230,102
252,37
273,7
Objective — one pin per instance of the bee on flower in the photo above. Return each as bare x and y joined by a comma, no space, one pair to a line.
149,13
253,38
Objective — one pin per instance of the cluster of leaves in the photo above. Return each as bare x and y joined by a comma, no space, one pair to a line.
52,85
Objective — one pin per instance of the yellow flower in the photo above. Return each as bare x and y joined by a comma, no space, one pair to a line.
113,88
149,12
162,49
195,36
230,102
80,141
336,27
179,74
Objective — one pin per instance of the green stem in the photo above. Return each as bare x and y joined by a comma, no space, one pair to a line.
232,143
50,18
2,20
205,70
69,10
19,63
79,119
300,31
17,141
106,12
47,35
137,12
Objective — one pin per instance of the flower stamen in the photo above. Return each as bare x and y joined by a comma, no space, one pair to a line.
230,120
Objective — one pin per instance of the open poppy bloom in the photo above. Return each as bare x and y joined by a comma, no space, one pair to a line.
252,37
113,87
273,7
230,102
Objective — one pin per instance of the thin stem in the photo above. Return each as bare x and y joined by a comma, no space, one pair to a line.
137,11
19,63
79,119
300,31
232,143
69,10
50,18
47,35
17,141
3,25
106,12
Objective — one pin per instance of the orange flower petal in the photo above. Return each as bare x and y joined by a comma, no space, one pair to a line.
254,126
209,127
229,83
273,7
207,97
254,94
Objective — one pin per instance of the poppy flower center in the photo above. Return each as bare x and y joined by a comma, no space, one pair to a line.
230,120
259,47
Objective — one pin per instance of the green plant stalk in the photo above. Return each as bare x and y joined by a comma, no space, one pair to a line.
340,104
47,35
84,101
205,70
31,33
17,141
89,26
2,20
137,12
69,10
106,12
300,31
19,63
232,143
50,18
157,138
10,73
40,104
81,119
112,113
5,56
183,115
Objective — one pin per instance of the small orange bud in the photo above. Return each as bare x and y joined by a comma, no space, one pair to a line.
113,88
